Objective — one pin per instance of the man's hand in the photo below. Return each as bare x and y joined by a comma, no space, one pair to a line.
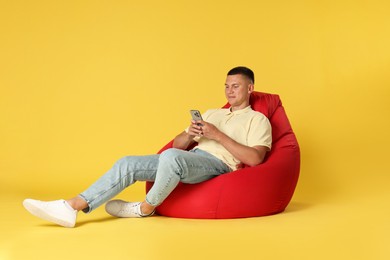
185,139
195,128
210,131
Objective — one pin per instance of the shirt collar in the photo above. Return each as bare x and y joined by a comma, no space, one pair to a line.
238,112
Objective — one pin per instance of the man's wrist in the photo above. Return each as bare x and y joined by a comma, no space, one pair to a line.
189,136
219,137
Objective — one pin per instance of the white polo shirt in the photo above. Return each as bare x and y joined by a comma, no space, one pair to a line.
245,126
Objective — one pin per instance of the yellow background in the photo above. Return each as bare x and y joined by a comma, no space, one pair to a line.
84,83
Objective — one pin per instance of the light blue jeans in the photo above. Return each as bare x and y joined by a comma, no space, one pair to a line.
166,170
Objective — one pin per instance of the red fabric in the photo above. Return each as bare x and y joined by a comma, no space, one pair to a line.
261,190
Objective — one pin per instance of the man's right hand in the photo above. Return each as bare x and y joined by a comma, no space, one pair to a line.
195,128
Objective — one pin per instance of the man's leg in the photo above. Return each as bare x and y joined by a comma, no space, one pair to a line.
181,166
124,173
174,166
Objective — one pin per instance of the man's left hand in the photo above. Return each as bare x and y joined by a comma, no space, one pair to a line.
210,131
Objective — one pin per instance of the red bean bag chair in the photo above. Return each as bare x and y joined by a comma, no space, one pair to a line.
255,191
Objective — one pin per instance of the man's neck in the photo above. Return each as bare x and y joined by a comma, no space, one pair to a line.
242,106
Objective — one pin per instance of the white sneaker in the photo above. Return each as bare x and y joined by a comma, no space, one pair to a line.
124,209
57,211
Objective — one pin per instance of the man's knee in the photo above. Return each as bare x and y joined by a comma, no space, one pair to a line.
173,160
171,154
124,163
121,161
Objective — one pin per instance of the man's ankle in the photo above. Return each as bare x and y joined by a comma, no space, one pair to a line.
146,208
77,203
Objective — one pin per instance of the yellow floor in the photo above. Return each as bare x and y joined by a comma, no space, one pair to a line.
340,229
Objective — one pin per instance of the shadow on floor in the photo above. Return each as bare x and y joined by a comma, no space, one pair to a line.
85,222
297,206
99,220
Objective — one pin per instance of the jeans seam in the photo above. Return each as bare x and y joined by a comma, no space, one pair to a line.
98,195
162,190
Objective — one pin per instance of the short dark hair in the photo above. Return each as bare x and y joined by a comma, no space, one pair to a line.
243,71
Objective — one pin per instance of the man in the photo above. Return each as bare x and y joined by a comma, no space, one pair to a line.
226,139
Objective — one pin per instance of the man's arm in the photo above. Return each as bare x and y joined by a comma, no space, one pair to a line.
247,155
182,141
251,156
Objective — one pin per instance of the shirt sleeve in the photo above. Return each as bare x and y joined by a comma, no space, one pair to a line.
260,132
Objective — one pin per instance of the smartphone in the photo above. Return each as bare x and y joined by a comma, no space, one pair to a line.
196,116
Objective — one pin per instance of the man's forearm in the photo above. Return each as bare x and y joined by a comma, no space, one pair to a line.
247,155
182,141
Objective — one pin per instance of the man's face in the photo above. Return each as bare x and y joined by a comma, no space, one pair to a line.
237,90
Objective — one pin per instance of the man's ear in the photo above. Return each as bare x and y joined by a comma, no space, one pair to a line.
251,88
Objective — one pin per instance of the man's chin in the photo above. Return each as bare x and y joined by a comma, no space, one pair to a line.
231,101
